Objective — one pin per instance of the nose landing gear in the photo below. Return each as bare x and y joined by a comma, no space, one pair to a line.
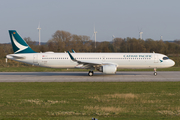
91,73
155,73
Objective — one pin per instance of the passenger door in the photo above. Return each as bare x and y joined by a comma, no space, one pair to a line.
156,60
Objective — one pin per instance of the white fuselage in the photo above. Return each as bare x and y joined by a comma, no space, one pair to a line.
122,60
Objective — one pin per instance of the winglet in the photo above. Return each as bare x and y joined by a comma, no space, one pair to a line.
73,51
72,58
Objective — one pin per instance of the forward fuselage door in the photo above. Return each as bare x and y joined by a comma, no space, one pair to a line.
156,60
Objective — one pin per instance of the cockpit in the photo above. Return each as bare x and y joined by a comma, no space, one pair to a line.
165,58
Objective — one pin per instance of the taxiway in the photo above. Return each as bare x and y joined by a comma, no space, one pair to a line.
83,77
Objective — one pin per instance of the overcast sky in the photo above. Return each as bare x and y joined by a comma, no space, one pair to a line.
121,18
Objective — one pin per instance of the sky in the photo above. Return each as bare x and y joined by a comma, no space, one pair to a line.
121,18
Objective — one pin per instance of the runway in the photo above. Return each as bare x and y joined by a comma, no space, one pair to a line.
139,76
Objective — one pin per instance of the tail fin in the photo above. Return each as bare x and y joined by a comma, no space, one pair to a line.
18,44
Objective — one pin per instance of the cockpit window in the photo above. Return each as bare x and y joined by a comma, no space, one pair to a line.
165,58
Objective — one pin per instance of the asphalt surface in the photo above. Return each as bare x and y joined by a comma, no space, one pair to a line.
83,77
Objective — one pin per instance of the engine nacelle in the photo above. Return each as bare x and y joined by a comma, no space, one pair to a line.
108,69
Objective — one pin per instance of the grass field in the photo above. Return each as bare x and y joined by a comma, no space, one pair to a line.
82,101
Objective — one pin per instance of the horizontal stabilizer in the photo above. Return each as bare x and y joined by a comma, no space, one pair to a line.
15,57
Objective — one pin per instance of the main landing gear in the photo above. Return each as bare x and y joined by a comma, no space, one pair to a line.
91,73
155,73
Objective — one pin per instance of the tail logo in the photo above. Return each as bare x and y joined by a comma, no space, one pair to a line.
21,47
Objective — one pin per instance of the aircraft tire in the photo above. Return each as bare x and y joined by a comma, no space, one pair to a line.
90,73
155,73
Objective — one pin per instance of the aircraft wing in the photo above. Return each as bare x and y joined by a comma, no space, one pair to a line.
87,64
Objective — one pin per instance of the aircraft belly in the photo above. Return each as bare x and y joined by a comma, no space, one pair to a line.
136,64
58,64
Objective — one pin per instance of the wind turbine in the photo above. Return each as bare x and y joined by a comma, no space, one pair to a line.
39,34
161,37
140,33
113,37
95,36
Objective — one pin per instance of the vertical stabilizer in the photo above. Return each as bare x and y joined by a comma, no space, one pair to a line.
18,44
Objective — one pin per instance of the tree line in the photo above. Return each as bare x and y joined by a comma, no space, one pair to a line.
65,41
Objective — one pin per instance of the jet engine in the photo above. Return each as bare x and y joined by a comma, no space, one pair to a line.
108,69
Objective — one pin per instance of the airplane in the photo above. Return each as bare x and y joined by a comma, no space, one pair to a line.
107,63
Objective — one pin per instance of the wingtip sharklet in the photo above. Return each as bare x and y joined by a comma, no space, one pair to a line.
73,51
72,58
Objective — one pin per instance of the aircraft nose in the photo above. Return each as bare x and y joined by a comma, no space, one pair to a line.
172,63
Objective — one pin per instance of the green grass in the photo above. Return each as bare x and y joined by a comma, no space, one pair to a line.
82,101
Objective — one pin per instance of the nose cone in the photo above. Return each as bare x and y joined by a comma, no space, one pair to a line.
171,63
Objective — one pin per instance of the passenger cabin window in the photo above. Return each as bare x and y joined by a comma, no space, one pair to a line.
165,58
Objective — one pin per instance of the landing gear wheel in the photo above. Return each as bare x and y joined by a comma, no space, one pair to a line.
155,73
90,73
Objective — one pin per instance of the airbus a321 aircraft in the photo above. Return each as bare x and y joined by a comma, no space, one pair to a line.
106,63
